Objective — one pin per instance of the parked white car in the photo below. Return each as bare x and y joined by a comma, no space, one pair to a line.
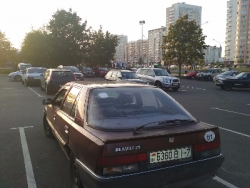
15,76
33,75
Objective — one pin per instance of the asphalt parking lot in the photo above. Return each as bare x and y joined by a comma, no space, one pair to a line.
29,159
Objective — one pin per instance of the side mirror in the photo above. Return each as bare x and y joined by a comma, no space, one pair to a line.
47,101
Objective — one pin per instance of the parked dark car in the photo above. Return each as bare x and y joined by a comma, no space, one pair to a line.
101,71
123,75
75,70
226,74
129,135
241,80
88,72
54,79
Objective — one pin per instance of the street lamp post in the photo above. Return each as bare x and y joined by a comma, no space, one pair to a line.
220,46
141,22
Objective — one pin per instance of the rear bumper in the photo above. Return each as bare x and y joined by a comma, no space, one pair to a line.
170,85
172,176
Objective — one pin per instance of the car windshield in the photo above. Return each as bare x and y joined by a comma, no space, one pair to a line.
226,73
241,75
129,107
129,75
87,69
161,72
36,70
62,75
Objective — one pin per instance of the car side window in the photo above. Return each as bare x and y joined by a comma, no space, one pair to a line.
109,73
144,71
70,100
114,74
150,73
59,98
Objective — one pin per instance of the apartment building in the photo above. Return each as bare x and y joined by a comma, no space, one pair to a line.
133,51
212,54
242,40
230,30
120,49
178,10
155,37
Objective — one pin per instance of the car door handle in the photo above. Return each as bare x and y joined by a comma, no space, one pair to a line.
66,129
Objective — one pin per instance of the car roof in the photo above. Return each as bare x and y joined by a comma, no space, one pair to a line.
58,69
36,68
105,84
126,71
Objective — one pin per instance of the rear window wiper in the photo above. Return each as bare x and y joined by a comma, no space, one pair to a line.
172,121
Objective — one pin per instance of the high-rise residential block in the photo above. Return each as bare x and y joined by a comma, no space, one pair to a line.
178,10
230,30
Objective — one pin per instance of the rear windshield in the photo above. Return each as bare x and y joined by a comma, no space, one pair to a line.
63,75
129,75
103,69
36,70
161,72
73,69
87,69
129,107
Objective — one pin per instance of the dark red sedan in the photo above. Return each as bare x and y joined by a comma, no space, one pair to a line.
191,74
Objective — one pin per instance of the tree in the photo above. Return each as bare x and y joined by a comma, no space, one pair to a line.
7,52
69,37
184,42
36,48
102,48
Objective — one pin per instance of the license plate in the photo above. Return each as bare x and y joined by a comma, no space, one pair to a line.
175,84
169,155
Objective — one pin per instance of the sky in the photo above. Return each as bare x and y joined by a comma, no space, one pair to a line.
19,17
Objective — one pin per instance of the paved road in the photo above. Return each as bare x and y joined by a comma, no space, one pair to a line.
47,166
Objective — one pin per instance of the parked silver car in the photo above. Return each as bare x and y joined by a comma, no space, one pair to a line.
15,76
159,77
225,75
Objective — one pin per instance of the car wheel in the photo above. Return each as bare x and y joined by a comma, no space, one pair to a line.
18,78
47,128
228,86
74,173
158,84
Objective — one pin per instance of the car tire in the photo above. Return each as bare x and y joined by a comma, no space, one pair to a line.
47,128
228,86
18,78
158,84
75,179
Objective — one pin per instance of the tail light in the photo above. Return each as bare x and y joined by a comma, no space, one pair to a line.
206,150
120,164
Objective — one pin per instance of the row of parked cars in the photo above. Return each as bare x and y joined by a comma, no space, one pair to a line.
118,133
227,79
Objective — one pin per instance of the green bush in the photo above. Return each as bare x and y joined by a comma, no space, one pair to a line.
6,71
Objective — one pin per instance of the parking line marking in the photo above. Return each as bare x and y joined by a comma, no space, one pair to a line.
27,161
230,111
227,184
242,134
36,92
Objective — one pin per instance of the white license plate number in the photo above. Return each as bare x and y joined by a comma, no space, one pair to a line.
169,155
